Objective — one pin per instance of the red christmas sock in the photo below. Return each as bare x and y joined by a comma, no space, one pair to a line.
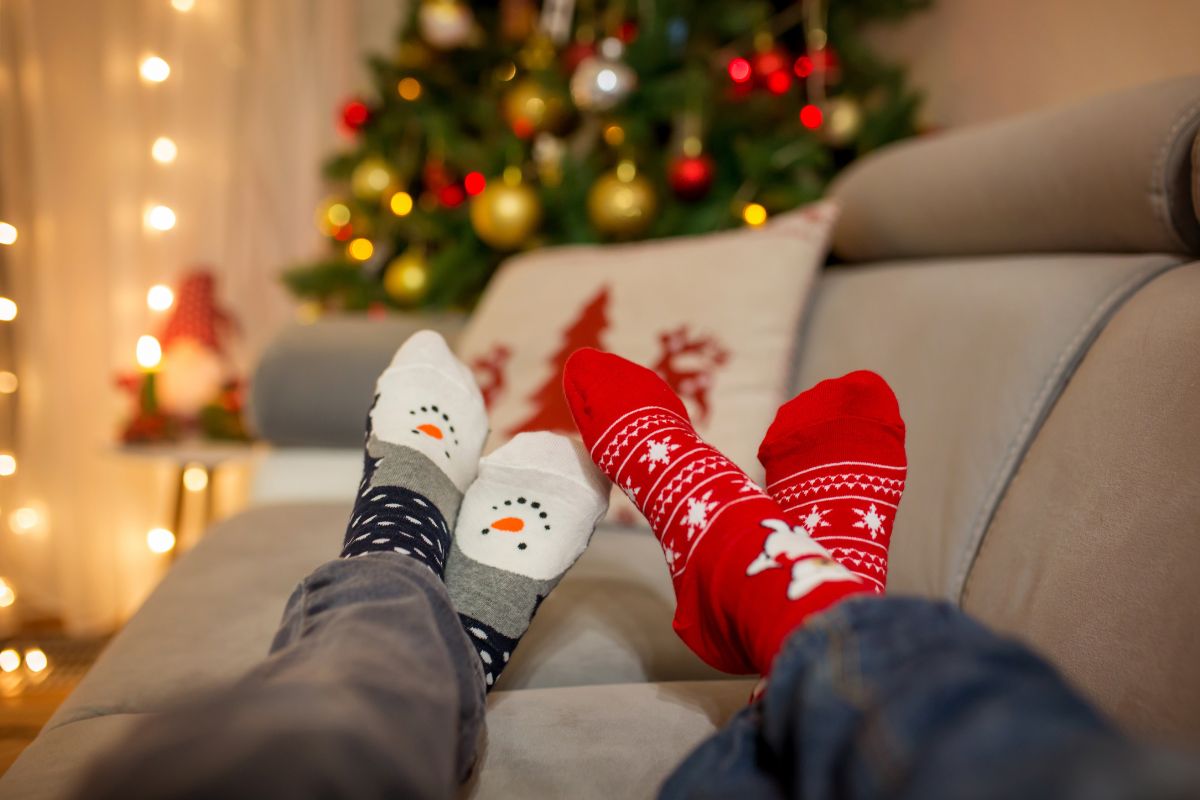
744,578
835,461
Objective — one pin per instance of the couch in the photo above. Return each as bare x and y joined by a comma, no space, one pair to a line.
1029,289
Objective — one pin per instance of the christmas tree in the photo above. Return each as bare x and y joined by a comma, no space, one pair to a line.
500,127
550,406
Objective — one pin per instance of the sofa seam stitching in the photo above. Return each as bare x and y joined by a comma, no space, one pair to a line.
1059,375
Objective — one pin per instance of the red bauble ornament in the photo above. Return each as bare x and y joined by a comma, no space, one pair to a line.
691,176
575,53
355,114
436,176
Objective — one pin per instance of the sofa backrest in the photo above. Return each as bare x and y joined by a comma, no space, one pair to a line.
1029,298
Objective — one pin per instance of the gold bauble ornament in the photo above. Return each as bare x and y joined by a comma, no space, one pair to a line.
506,212
843,120
406,277
530,107
373,178
445,24
621,202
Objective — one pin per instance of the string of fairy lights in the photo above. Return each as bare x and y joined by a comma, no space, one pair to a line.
158,217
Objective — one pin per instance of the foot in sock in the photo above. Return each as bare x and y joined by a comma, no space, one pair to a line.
744,576
425,431
524,521
835,461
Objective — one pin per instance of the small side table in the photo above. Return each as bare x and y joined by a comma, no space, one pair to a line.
193,454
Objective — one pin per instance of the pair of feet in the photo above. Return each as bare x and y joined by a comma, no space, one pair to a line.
748,566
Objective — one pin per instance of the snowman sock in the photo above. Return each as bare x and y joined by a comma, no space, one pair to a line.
744,577
524,521
425,431
835,461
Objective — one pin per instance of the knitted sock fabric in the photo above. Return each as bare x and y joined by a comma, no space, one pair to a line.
425,431
835,461
525,520
744,577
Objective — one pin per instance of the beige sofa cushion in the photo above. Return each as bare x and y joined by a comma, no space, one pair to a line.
1112,174
1094,552
977,351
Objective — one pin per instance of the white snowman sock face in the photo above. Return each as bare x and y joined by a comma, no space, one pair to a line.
524,521
428,401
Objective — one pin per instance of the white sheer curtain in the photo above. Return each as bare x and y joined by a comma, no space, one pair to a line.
251,102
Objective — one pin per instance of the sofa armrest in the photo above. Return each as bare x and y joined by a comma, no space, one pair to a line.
314,383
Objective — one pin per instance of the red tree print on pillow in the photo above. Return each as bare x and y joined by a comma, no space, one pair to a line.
687,364
550,412
489,373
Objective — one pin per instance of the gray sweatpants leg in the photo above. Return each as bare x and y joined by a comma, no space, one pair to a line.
371,690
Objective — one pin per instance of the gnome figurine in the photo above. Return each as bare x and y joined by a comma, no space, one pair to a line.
195,364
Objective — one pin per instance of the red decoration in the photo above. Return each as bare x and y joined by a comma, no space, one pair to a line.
768,63
627,31
691,176
687,364
343,233
803,67
739,70
811,117
452,196
575,53
474,183
779,82
489,373
550,412
436,176
355,114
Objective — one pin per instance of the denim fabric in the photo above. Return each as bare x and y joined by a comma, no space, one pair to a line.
371,690
902,698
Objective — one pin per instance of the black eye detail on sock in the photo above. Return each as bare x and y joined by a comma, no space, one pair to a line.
522,546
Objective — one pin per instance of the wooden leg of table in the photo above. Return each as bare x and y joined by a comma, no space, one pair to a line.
177,511
210,495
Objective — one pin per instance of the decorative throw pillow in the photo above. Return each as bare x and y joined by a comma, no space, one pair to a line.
715,315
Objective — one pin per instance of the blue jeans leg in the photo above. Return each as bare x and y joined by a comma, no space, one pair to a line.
907,698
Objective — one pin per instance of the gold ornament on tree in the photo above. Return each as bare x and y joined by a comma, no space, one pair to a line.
373,179
530,107
333,215
622,203
406,277
602,81
445,24
843,120
507,212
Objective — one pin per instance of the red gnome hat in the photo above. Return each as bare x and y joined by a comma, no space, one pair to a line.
196,314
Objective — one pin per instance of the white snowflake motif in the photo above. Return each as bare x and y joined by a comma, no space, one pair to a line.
658,452
748,486
630,490
671,556
815,518
697,513
870,519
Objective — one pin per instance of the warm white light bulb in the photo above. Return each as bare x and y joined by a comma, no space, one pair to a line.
160,540
7,595
8,310
160,218
8,233
195,479
160,297
24,520
9,660
164,150
8,382
35,659
154,69
183,5
148,352
8,465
